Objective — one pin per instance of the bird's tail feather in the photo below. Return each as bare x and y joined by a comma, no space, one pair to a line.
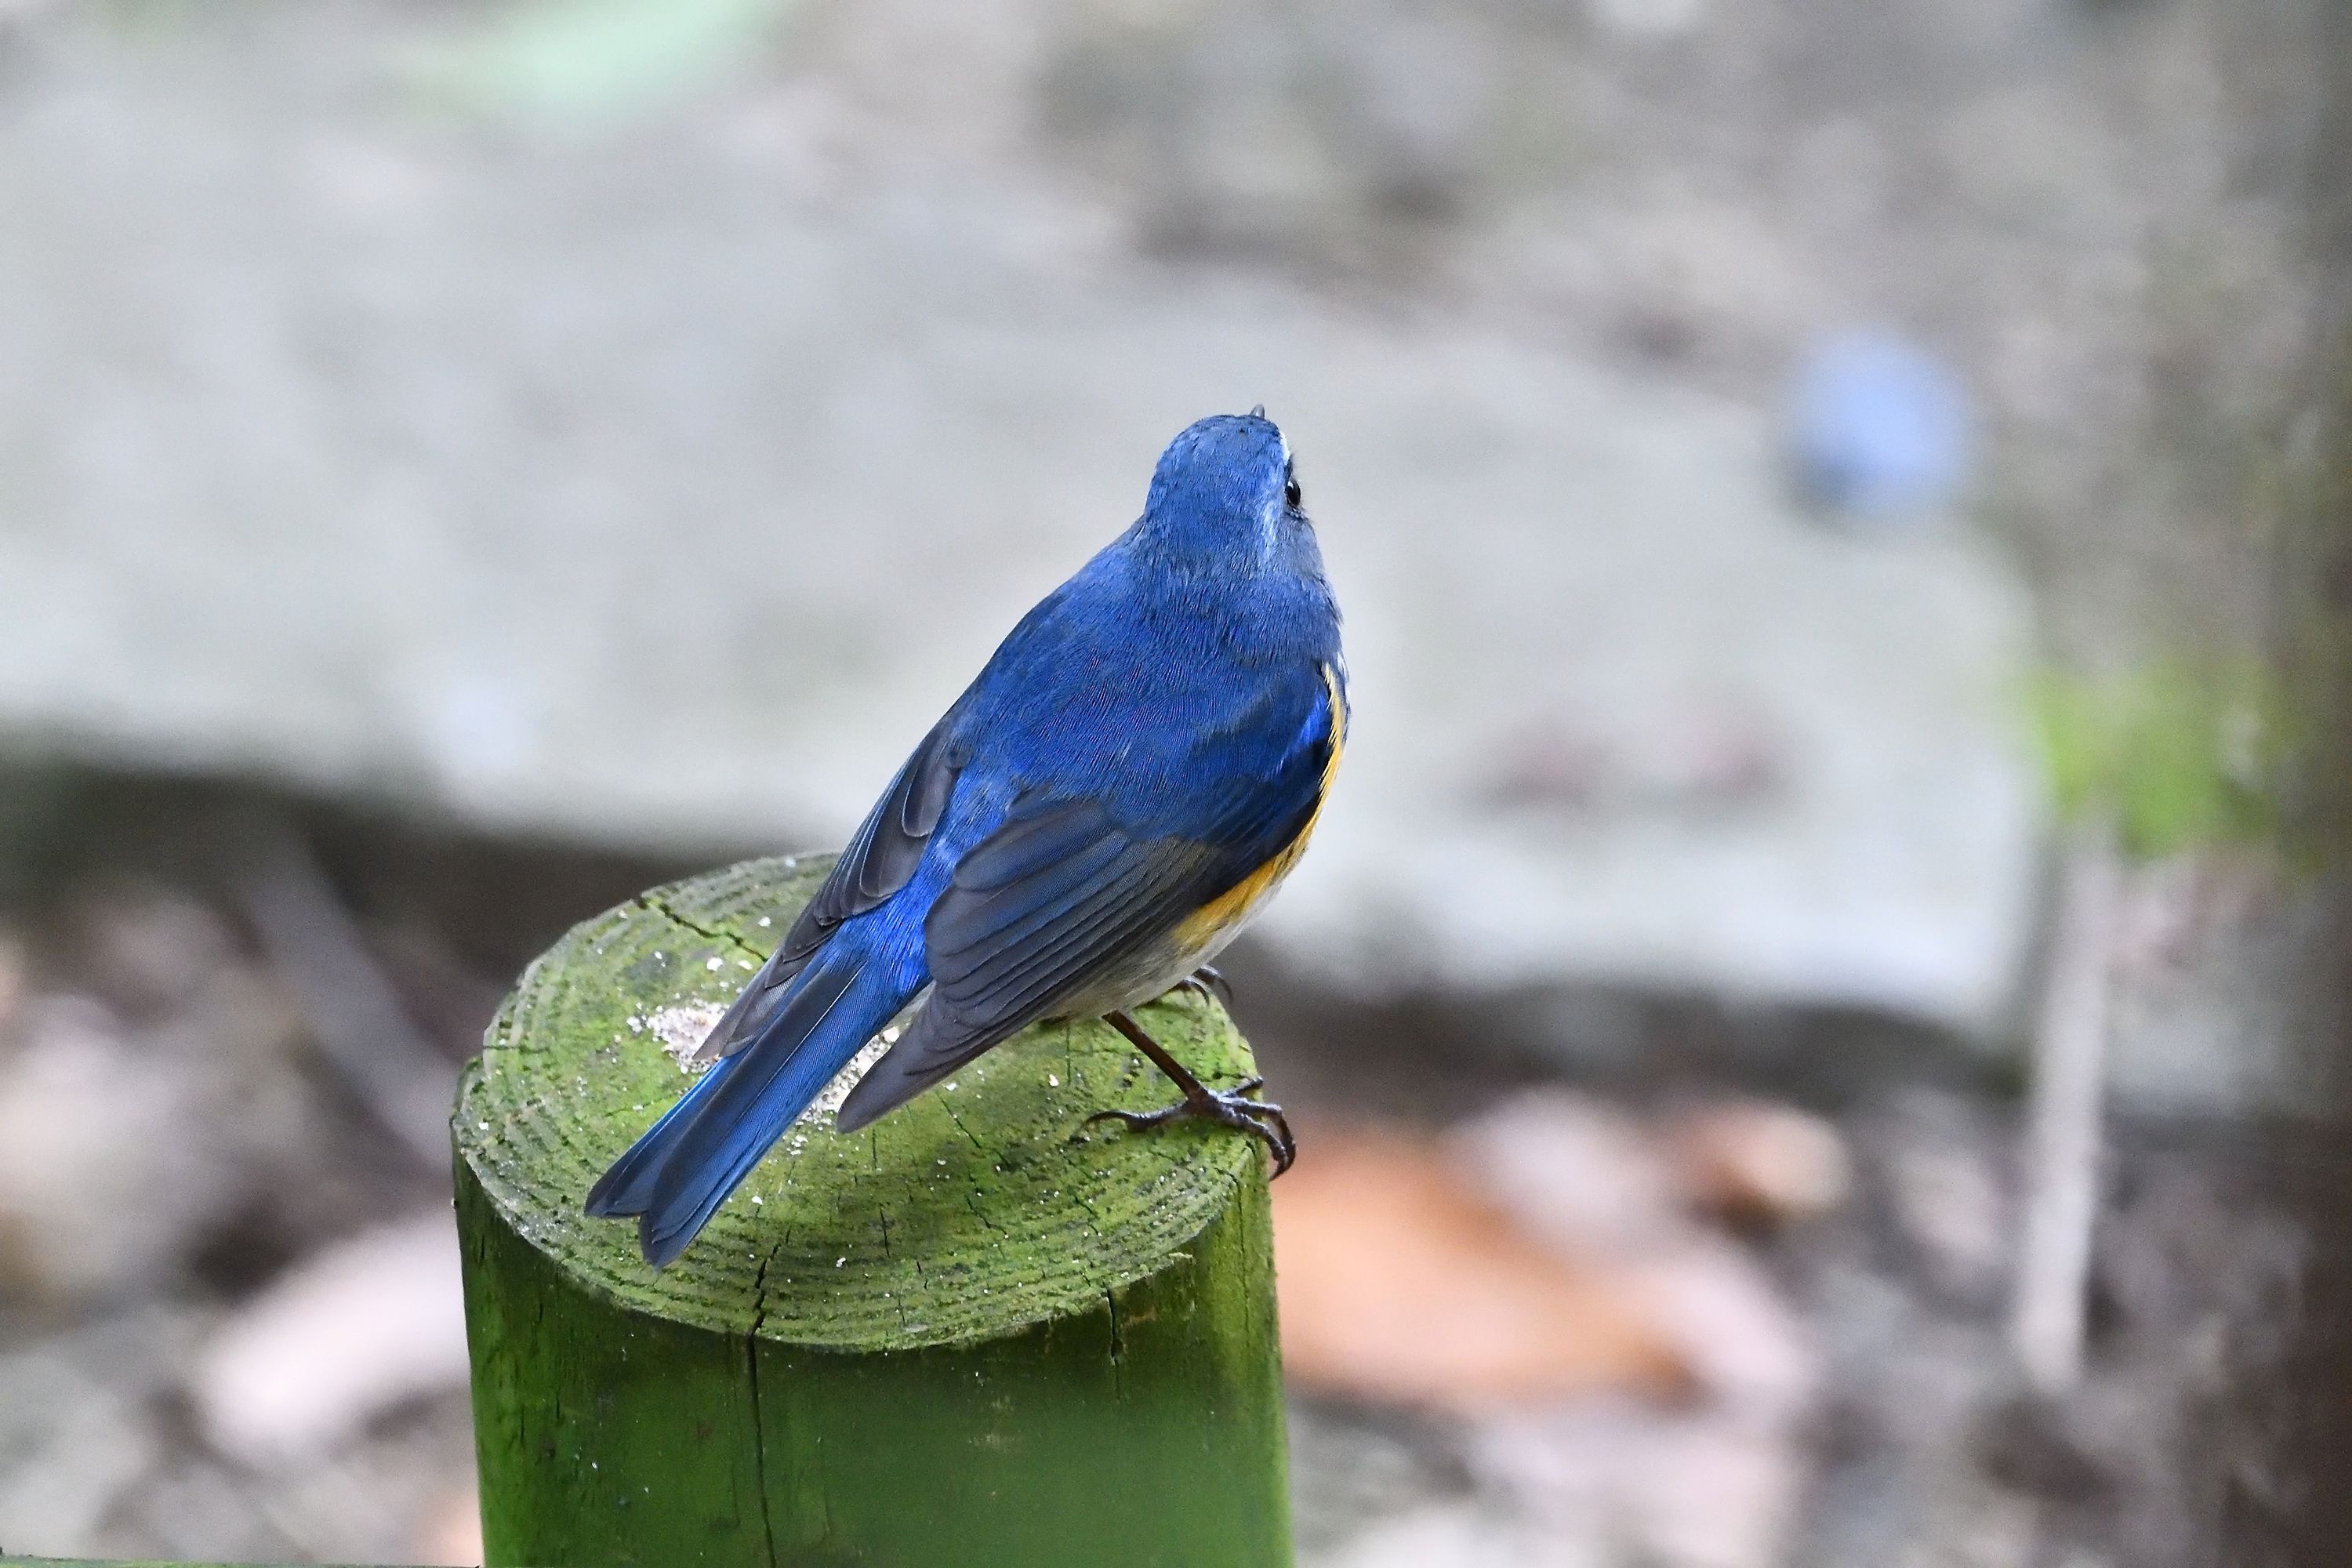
627,1187
675,1176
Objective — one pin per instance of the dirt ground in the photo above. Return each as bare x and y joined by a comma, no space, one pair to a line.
183,1139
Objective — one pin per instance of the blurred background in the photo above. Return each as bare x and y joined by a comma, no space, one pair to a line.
1803,1012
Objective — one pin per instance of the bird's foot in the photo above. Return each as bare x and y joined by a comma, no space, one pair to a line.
1205,982
1233,1108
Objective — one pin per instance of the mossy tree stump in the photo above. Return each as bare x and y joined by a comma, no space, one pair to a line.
969,1335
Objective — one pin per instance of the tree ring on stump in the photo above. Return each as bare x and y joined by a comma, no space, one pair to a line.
978,1209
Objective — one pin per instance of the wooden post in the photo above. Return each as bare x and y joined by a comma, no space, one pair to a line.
970,1334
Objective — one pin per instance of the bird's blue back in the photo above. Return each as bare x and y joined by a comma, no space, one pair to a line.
1156,731
1151,689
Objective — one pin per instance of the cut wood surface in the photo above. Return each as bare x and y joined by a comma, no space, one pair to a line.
973,1334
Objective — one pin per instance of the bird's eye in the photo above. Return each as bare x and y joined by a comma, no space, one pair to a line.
1290,491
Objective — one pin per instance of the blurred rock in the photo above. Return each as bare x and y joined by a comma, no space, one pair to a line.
1755,1160
1399,1281
1695,760
122,1148
75,1431
350,1334
1650,1487
406,569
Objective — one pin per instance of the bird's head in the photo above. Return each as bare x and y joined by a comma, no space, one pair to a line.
1226,495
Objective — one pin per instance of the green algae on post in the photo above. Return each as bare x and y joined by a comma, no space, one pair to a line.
973,1333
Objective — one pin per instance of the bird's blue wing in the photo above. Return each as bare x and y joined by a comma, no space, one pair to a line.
1064,889
877,863
1035,909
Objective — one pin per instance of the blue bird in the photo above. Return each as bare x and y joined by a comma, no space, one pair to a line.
1134,771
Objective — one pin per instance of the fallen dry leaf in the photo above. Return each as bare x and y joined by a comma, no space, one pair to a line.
1602,1190
1399,1281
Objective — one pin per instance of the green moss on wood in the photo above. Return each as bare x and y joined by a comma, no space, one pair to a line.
961,1336
2182,757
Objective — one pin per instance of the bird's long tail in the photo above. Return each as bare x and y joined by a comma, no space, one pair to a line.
675,1176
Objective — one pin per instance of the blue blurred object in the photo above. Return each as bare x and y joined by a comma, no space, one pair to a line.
1880,429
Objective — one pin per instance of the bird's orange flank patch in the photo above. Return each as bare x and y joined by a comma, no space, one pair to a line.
1235,904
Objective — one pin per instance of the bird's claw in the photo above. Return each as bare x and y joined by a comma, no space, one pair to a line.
1233,1108
1208,985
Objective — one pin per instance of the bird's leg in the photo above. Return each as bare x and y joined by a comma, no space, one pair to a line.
1204,983
1201,1103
